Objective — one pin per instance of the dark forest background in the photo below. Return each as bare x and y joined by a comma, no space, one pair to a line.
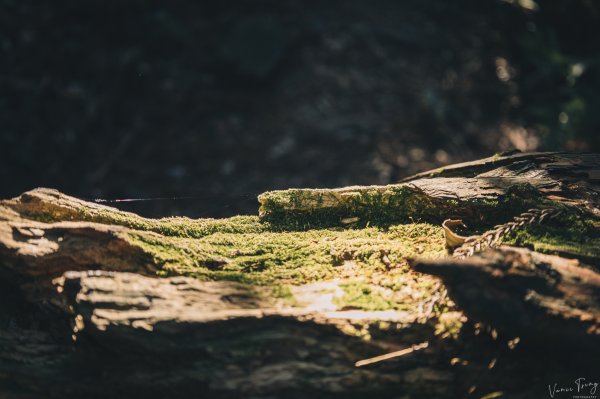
224,100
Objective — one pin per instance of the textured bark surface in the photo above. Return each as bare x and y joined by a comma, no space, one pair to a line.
477,190
544,299
96,302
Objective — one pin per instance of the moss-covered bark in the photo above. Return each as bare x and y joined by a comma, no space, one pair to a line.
368,206
251,250
323,274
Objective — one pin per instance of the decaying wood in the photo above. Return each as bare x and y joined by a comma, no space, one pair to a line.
85,313
544,299
226,337
137,336
562,177
160,336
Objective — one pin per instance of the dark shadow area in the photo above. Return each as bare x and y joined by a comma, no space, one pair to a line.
223,100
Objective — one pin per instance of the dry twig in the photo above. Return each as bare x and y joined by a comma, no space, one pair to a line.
493,237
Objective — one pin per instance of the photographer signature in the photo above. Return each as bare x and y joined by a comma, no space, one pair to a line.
581,389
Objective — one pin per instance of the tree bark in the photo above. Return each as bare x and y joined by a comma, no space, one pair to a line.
543,299
96,302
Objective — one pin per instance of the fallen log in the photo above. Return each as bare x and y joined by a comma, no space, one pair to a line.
98,302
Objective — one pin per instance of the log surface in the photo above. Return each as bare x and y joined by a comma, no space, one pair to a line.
96,302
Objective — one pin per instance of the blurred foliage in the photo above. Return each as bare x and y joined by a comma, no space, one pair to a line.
558,58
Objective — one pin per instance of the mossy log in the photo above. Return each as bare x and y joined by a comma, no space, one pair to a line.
99,302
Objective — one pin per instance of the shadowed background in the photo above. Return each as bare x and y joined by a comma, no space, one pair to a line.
224,100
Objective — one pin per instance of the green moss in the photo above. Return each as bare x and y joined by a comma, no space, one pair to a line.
174,227
288,257
180,226
359,295
283,293
302,209
371,257
449,324
399,289
573,234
